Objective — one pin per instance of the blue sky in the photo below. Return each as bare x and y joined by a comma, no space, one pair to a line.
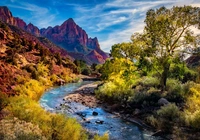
111,21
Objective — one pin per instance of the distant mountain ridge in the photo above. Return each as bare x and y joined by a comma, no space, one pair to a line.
68,36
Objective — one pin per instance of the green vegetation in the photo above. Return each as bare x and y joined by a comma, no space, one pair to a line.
51,126
82,67
152,67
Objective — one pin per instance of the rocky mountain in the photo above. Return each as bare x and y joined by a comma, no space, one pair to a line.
75,40
6,16
69,36
95,56
21,53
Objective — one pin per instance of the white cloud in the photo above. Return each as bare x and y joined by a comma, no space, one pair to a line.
135,13
40,16
119,36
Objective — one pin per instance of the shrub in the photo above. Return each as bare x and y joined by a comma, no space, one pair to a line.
174,90
42,70
166,117
111,91
150,81
33,89
14,128
193,119
193,98
104,137
192,112
3,100
53,78
86,71
53,126
144,96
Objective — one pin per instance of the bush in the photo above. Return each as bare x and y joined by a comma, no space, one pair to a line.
193,98
116,90
193,119
144,96
104,137
20,130
42,70
166,117
33,89
53,126
150,81
3,100
192,111
174,90
54,78
86,71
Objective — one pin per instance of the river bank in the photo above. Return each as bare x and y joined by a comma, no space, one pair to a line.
85,95
67,99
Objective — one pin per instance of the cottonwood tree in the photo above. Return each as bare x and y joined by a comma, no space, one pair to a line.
166,36
167,33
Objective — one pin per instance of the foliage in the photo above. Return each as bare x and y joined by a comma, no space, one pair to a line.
58,58
33,89
82,67
42,70
174,90
165,32
14,128
192,111
181,72
149,81
104,137
53,126
3,100
166,117
120,78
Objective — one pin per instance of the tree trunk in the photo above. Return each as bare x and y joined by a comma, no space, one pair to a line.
164,75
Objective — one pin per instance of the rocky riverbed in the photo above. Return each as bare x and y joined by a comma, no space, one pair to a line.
84,95
78,100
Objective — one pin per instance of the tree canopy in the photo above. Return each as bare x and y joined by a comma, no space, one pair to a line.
167,36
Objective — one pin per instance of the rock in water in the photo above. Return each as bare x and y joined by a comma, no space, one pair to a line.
94,113
99,122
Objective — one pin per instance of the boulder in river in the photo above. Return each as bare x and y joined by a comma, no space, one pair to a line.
99,122
81,114
94,113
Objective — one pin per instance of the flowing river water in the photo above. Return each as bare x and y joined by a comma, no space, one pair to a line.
117,128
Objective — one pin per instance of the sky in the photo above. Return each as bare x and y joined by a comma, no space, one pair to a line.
111,21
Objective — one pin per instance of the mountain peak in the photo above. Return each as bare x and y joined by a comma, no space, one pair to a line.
69,35
6,15
4,7
70,20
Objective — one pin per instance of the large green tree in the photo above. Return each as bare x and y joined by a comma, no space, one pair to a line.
168,34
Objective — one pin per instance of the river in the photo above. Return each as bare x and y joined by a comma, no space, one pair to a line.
117,128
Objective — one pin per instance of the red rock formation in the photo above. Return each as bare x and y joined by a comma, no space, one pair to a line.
93,43
6,15
33,29
20,23
73,38
68,35
96,57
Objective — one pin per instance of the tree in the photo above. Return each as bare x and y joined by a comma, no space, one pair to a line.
168,32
